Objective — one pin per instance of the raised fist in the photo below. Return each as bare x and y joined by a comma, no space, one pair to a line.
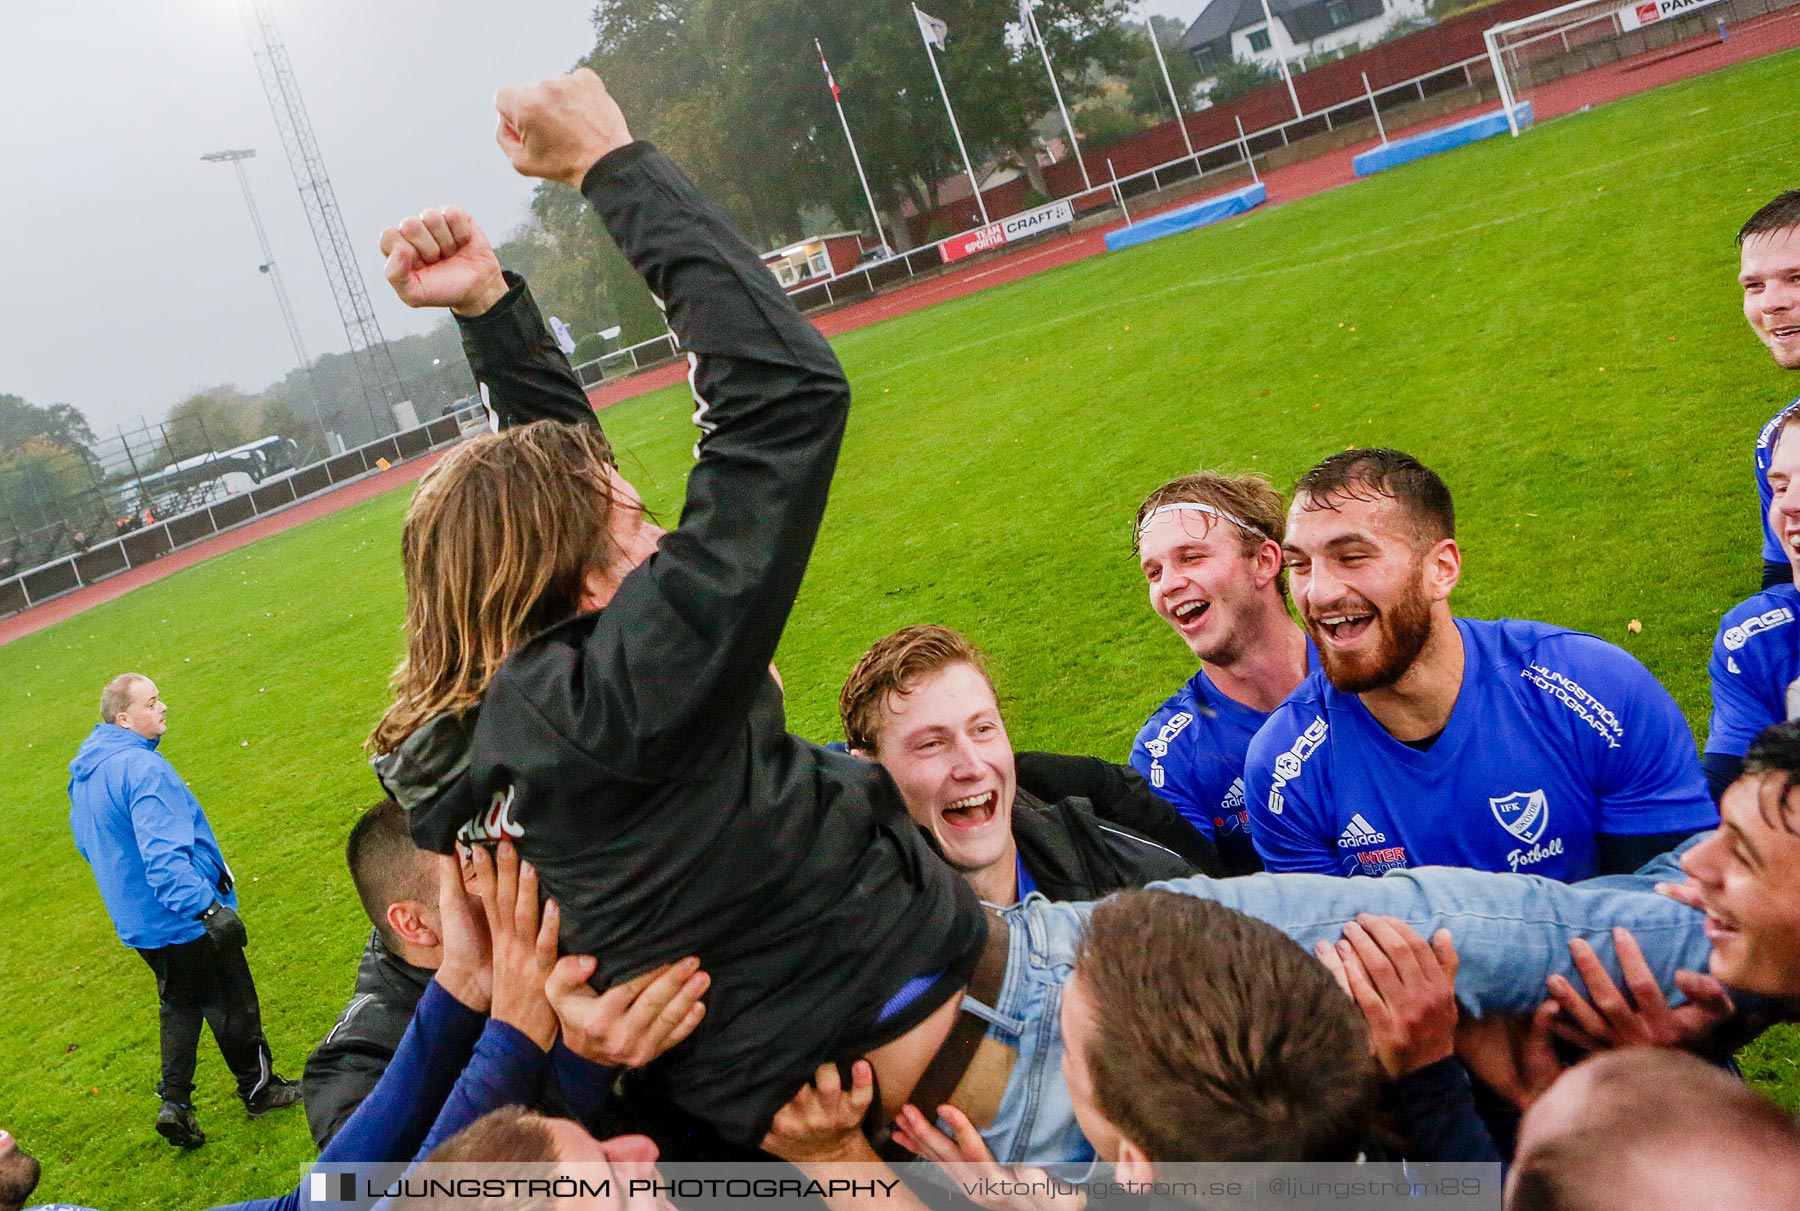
559,128
439,258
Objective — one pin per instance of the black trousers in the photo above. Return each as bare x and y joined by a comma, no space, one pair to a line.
201,981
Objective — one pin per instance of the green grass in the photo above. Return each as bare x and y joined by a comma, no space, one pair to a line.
1552,323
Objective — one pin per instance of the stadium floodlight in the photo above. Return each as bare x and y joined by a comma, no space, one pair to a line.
236,157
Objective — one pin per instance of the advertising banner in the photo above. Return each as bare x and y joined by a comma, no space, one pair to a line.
1014,227
1649,12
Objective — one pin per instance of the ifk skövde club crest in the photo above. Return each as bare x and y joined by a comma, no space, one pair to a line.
1524,814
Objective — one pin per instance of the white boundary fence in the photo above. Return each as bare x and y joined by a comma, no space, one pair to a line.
929,260
65,575
107,559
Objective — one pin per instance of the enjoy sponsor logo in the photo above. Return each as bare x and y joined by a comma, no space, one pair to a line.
1287,766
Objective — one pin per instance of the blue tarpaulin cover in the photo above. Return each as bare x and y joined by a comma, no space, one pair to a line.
1187,218
1404,151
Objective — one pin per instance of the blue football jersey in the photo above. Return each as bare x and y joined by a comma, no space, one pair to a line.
1192,750
1556,737
1765,448
1756,655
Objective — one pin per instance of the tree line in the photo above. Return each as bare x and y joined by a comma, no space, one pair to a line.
734,91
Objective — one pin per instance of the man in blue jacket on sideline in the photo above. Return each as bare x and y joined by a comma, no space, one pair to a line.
169,893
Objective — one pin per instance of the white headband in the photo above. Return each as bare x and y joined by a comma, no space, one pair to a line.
1194,506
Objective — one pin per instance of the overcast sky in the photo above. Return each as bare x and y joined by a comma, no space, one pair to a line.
134,264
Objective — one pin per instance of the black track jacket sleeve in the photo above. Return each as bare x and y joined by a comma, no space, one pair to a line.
677,657
1122,795
521,373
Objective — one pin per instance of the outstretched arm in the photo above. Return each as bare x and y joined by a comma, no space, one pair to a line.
685,644
440,258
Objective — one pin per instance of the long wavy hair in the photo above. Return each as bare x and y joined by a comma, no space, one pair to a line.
498,543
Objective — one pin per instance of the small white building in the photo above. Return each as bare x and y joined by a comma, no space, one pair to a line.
1237,29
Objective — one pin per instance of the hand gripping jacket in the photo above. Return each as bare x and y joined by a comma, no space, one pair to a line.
639,756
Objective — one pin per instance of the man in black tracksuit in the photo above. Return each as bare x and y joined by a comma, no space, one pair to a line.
347,1065
638,755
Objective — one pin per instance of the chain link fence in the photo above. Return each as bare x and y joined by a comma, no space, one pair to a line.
203,498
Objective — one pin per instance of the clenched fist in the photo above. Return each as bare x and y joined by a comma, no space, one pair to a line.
439,258
559,128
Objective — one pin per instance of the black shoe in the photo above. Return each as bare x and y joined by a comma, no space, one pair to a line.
278,1094
177,1124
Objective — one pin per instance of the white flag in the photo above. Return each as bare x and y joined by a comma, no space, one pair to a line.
931,29
1025,18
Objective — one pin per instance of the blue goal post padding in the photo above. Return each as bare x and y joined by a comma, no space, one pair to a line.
1188,217
1442,139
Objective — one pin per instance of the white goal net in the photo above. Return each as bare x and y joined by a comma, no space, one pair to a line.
1533,52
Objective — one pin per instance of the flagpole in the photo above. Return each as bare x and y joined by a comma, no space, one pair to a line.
868,197
1281,59
1037,36
969,168
1156,45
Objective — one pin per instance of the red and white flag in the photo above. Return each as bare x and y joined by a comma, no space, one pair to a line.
830,79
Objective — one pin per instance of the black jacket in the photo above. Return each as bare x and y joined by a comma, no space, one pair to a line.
1073,854
345,1067
639,756
1117,794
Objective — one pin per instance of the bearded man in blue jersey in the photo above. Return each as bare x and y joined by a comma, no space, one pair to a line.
1428,740
1209,546
1756,654
1769,272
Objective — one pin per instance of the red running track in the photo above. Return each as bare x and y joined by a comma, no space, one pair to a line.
52,612
1749,40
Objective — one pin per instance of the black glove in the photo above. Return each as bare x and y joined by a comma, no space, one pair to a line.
224,926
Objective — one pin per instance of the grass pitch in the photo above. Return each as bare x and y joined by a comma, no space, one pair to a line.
1552,323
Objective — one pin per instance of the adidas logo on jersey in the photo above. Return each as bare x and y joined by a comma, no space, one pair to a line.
1360,832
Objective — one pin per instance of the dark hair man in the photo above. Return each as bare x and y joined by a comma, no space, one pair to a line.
921,703
1746,876
1756,654
1769,272
1711,1142
397,884
1142,1020
171,898
1209,546
1427,739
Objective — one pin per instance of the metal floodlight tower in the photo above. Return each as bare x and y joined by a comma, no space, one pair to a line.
236,158
368,350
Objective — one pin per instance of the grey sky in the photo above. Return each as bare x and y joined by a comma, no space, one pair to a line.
134,263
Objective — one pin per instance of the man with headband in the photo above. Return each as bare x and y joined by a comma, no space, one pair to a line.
1429,740
1209,546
